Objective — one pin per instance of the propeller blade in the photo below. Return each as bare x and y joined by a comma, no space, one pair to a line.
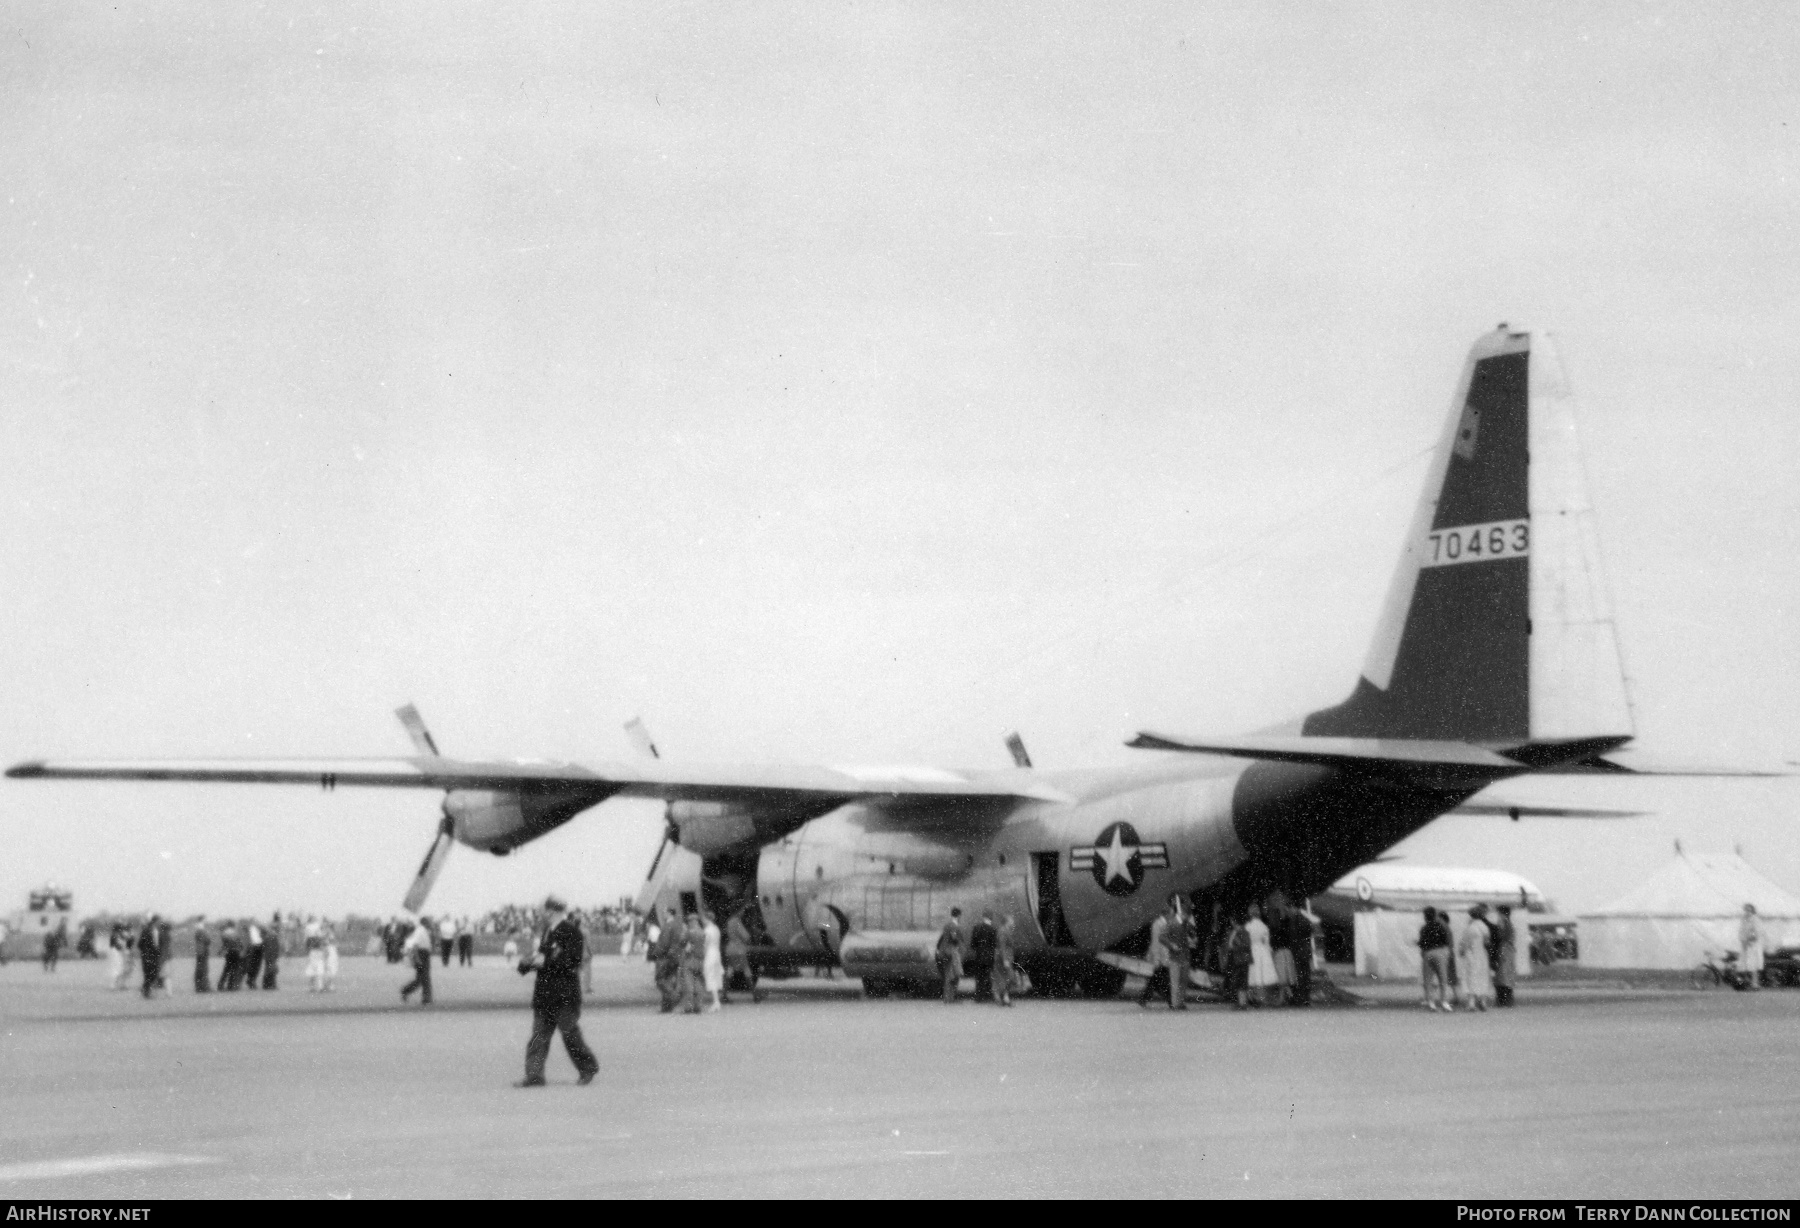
432,866
1016,745
639,733
415,729
640,738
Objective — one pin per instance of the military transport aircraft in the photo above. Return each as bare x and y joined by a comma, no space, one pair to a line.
1494,657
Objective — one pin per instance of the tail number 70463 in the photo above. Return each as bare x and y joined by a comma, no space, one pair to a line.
1477,543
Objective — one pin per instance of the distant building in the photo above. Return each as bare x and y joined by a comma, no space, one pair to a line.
47,909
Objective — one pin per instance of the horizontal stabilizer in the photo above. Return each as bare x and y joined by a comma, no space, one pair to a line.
1638,763
1412,757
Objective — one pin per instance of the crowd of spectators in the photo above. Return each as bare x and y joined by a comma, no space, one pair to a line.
529,919
89,939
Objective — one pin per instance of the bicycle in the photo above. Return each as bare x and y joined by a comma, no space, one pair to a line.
1712,973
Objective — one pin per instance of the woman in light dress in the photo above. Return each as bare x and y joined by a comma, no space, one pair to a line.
1750,939
331,957
712,971
118,967
1262,956
313,934
1472,961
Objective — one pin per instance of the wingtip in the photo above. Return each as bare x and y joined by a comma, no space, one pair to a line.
24,771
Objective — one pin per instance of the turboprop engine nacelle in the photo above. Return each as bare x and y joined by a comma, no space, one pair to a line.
713,827
499,821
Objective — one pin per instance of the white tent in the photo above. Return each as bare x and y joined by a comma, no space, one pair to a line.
1687,911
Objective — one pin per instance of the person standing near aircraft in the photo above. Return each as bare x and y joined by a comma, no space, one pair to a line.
693,963
712,966
1237,963
53,945
980,963
1750,943
331,957
589,924
1472,959
949,955
231,946
1002,975
253,953
628,939
202,957
1178,940
118,964
1262,957
465,944
165,956
1300,944
556,998
737,953
665,956
1284,954
1156,985
150,954
1506,954
420,946
1434,960
313,938
271,951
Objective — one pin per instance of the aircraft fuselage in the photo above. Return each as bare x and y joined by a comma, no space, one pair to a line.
1079,877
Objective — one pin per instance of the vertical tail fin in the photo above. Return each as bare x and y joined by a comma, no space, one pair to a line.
1496,626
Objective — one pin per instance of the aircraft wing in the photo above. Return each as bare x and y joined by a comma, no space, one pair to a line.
655,779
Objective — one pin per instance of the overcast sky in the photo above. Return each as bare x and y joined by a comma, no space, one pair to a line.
846,383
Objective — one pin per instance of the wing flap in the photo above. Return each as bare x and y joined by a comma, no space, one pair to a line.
1522,811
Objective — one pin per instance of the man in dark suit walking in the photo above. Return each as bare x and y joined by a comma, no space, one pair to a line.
556,999
271,952
950,955
419,944
253,953
231,946
150,953
980,961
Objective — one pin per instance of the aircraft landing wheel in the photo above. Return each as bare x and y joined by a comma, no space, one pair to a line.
875,987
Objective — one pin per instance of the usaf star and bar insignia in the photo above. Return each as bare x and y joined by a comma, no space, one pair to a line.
1118,859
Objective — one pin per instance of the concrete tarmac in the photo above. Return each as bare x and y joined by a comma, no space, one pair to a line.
1573,1094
